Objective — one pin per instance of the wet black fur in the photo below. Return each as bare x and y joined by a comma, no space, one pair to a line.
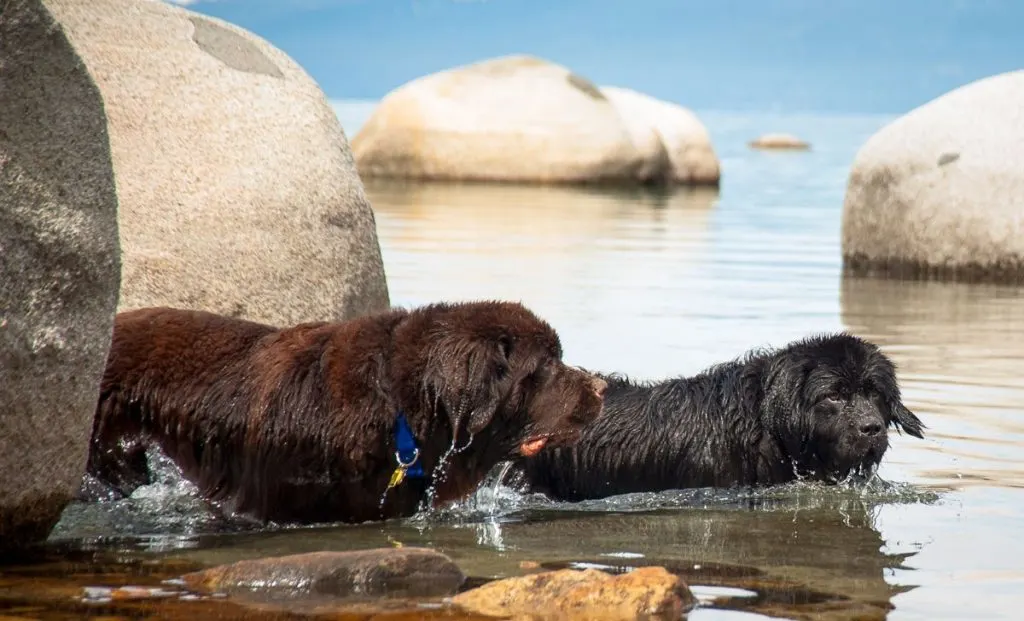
818,409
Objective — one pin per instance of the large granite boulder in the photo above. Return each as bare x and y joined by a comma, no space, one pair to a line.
692,158
238,193
509,119
939,192
59,268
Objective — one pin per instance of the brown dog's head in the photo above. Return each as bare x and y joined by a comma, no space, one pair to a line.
496,370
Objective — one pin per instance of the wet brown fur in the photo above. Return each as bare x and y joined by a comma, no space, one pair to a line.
297,424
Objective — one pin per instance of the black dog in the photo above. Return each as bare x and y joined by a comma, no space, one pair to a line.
817,409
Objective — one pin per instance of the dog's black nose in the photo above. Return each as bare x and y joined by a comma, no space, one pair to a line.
871,427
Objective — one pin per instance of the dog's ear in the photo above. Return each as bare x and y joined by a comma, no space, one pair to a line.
903,419
469,379
497,368
775,388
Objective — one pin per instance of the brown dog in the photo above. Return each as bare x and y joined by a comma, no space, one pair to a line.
354,421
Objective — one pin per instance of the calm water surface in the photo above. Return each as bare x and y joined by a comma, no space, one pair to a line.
658,285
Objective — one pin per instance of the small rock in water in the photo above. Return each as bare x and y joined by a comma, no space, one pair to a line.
135,592
587,594
96,594
780,141
108,594
380,572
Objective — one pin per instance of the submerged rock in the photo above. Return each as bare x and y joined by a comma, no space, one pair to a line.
381,572
781,142
509,119
939,192
59,267
685,140
237,189
587,594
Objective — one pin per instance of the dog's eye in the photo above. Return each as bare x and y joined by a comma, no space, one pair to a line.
832,398
505,342
543,372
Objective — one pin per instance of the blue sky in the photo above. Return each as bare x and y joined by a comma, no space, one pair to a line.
768,55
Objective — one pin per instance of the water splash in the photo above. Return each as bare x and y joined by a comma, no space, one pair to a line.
170,514
440,472
383,499
502,498
166,514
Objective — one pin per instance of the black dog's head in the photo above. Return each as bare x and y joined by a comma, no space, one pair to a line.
831,400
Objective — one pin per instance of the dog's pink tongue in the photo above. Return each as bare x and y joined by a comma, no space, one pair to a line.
532,447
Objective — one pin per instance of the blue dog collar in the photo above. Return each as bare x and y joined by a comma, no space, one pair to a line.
407,454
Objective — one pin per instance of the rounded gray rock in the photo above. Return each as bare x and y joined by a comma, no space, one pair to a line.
512,119
59,268
684,138
237,187
939,192
378,572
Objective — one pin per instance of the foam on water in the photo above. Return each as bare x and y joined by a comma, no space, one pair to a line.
496,499
163,515
169,513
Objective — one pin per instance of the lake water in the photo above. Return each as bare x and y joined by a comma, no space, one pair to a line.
657,285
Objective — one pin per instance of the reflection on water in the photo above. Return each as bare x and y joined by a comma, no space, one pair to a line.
662,284
807,552
960,353
579,257
651,284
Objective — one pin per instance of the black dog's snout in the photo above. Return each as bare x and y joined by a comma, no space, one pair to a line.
871,427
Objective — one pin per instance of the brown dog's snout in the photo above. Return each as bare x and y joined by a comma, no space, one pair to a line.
599,386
